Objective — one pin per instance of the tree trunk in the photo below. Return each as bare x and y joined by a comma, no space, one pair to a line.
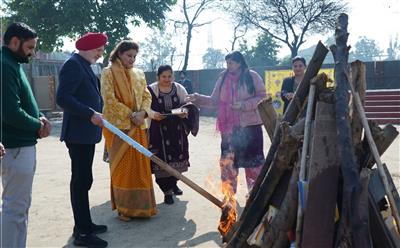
187,49
349,168
294,51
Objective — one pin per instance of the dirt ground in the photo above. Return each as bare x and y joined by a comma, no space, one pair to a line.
191,221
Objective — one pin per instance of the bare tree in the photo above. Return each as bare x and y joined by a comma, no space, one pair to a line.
394,48
291,21
156,50
239,31
240,25
191,12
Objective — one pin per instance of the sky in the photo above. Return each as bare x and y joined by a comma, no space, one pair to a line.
375,19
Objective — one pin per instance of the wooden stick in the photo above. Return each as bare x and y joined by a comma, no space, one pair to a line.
163,164
377,158
118,156
304,153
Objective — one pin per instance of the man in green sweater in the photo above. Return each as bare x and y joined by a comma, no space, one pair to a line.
21,126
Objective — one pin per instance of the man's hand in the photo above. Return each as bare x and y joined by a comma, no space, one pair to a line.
45,128
289,95
138,118
2,150
97,119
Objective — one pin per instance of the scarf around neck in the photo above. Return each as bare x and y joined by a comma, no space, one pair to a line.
123,82
227,118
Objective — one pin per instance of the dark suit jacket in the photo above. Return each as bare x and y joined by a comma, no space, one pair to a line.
79,95
287,87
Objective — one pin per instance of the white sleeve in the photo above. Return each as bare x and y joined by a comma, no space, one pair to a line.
181,91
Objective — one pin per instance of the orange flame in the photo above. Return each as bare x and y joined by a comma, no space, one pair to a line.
229,212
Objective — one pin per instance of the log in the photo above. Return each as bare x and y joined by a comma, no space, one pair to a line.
357,79
163,165
349,169
268,115
383,139
361,232
285,219
290,116
290,141
319,226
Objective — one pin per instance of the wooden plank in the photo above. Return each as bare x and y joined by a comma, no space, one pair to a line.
268,116
319,226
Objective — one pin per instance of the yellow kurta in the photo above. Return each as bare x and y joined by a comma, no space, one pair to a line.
125,91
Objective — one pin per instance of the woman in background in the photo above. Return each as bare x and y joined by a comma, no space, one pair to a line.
290,84
168,133
236,95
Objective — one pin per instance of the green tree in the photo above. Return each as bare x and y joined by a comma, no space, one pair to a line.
213,59
264,53
56,19
366,50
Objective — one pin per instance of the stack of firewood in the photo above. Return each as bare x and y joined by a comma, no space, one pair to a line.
323,183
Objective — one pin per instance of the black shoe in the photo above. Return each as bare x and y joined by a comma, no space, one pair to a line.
97,229
89,240
177,191
168,199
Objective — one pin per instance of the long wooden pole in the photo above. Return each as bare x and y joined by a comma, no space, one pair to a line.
304,153
164,165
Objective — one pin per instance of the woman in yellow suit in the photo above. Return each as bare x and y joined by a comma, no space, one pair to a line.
126,104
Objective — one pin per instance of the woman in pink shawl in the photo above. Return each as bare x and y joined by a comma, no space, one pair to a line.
235,95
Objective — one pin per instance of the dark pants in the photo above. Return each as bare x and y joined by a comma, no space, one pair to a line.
166,184
81,180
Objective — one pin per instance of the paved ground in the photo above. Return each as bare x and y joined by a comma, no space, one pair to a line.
191,221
